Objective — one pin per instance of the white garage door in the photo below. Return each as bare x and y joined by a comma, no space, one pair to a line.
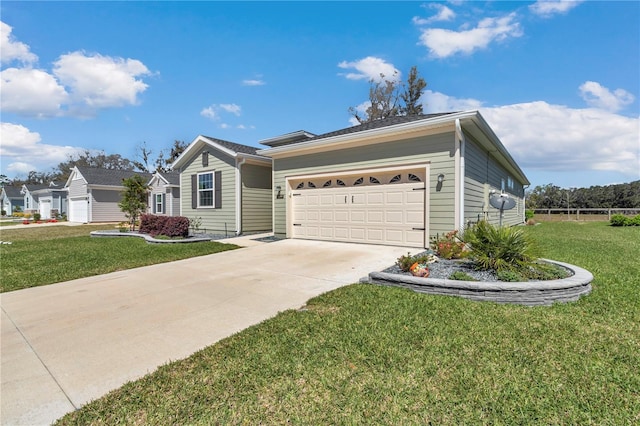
78,210
374,208
45,209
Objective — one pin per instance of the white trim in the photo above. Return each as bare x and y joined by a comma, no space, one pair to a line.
360,170
400,167
461,183
213,190
202,141
396,129
239,163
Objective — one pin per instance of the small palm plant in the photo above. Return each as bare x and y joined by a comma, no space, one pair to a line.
499,248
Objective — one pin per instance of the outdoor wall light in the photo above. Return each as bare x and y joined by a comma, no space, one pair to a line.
440,178
279,189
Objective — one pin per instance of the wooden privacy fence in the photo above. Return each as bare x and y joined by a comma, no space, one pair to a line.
581,214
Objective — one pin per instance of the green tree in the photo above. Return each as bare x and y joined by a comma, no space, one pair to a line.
93,159
162,163
412,93
391,97
134,199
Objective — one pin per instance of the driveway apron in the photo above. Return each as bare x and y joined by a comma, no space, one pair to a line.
66,344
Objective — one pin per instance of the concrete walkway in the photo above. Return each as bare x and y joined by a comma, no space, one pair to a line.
66,344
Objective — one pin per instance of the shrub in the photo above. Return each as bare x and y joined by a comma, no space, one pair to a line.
449,246
152,224
528,215
37,217
618,220
499,248
461,276
405,262
176,226
509,276
635,221
3,212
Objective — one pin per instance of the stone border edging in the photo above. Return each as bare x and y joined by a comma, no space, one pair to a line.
529,293
147,237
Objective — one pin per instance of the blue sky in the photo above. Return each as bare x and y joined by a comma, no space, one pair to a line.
558,81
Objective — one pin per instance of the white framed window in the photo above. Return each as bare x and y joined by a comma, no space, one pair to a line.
159,202
205,189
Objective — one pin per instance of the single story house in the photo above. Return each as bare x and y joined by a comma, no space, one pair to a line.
94,194
396,181
11,199
164,194
45,199
227,186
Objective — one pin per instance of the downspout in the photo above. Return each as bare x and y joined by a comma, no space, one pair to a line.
461,145
524,203
239,164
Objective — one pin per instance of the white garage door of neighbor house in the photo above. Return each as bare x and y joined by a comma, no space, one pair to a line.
78,211
45,209
373,208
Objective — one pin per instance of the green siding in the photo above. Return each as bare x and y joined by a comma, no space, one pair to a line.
483,174
256,198
438,150
222,220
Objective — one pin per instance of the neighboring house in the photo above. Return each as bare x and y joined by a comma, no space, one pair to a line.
94,194
398,181
48,200
225,184
164,194
51,200
10,199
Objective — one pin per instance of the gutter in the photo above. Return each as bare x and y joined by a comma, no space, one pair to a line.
461,170
239,164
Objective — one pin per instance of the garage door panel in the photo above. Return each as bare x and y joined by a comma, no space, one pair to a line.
374,214
341,216
358,216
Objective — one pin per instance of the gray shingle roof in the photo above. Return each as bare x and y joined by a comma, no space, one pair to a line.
235,147
377,124
172,177
12,191
97,176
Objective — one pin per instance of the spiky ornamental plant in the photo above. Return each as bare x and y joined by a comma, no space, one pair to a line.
499,248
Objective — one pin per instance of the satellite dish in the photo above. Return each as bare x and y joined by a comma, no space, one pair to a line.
502,202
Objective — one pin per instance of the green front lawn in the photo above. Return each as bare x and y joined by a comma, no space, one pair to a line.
51,254
365,354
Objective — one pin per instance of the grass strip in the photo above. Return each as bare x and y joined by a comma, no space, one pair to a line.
49,255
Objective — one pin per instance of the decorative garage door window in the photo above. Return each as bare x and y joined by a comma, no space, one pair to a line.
359,180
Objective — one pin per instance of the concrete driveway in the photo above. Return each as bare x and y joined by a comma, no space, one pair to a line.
66,344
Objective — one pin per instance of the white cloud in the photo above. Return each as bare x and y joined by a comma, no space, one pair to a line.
101,81
370,68
253,82
79,85
20,168
13,50
599,96
443,43
231,108
549,137
24,150
439,102
549,8
31,92
444,14
213,111
209,113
